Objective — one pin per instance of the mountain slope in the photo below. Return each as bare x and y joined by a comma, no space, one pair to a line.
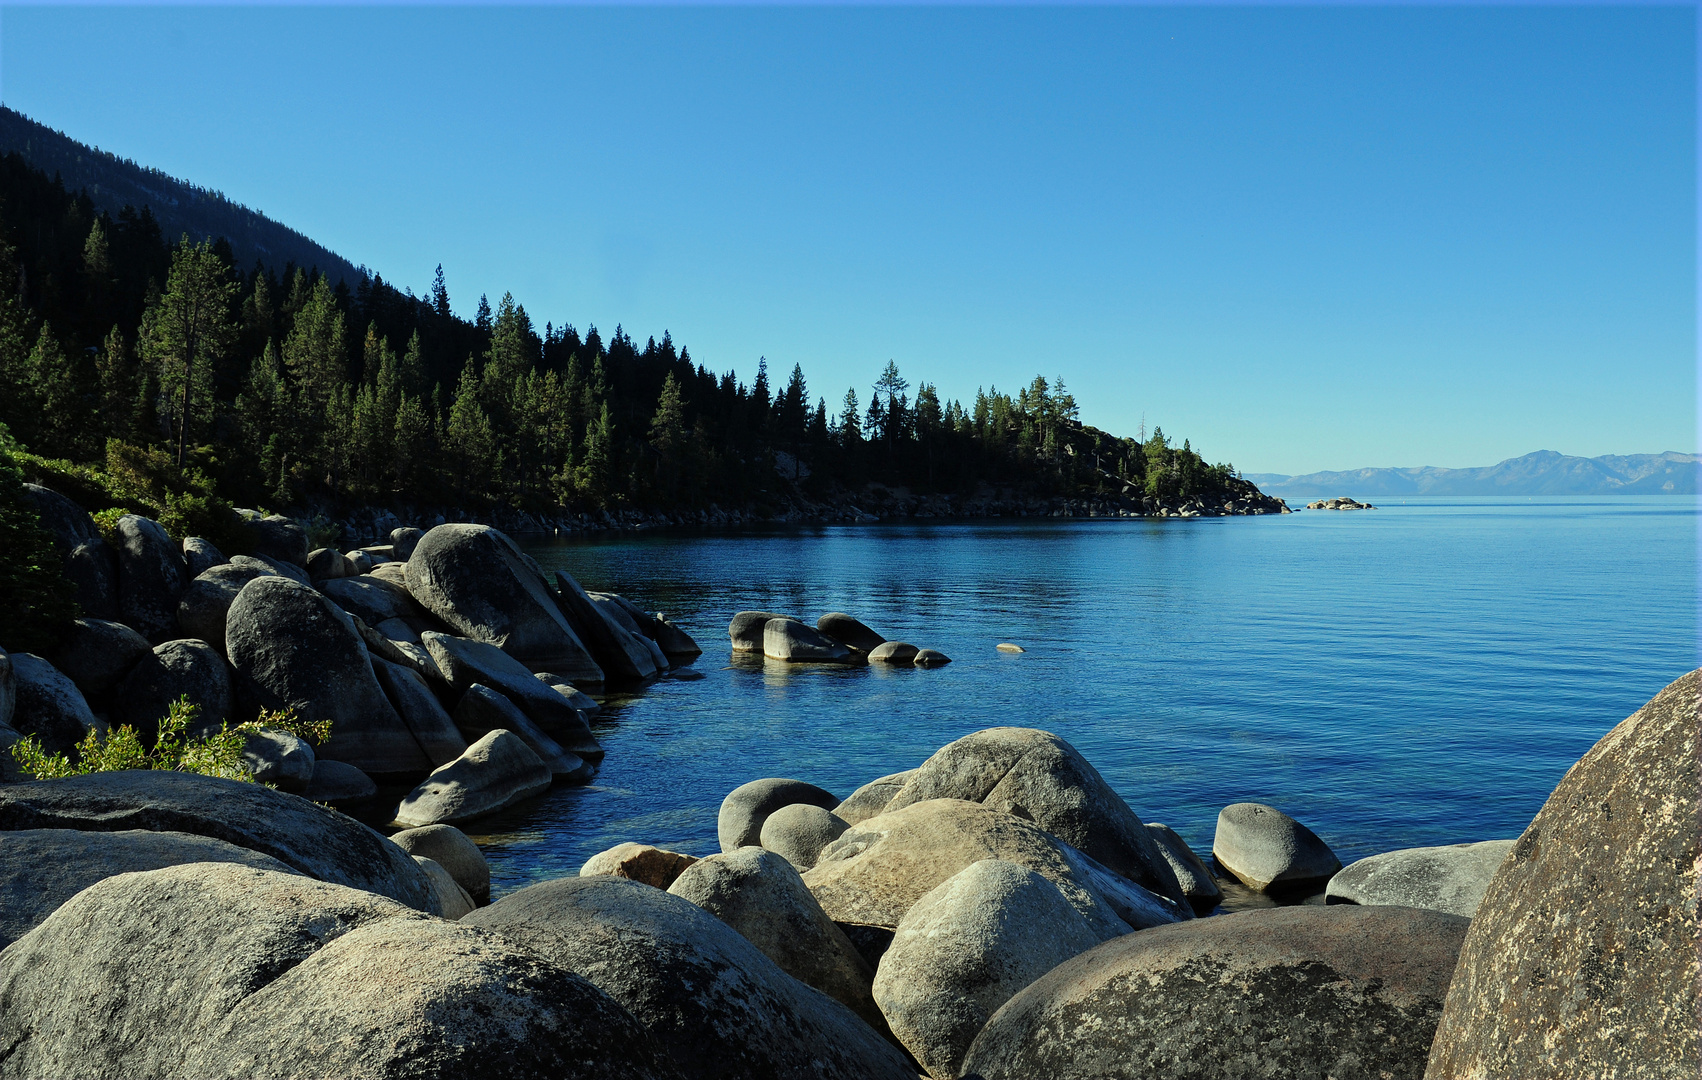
114,182
1542,473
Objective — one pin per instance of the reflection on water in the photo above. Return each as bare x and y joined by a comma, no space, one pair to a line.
1416,675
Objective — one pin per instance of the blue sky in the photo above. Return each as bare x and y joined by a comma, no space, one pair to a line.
1304,238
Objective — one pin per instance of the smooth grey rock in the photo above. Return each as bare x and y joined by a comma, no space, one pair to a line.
377,601
791,640
581,702
220,970
430,723
746,807
465,662
359,562
49,706
326,564
876,870
746,629
317,842
676,645
1581,960
849,631
40,869
496,772
927,658
89,561
151,577
453,850
8,689
1036,774
279,758
711,1000
402,543
872,798
452,900
477,581
653,866
760,895
483,710
205,604
619,611
396,573
1269,851
1346,992
1450,879
280,567
398,631
281,538
338,782
894,652
1198,885
97,654
798,832
620,653
293,648
199,556
176,669
964,949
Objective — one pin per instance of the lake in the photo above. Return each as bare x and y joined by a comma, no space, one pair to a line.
1419,674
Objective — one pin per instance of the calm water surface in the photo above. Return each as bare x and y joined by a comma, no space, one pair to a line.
1419,674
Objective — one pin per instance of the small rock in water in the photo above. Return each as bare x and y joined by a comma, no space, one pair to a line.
893,652
931,658
799,832
1269,851
654,866
1006,646
1343,503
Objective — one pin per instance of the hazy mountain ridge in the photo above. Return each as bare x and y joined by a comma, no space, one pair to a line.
180,207
1545,472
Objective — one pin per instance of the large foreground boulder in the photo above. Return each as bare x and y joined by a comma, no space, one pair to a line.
1582,958
1036,774
49,706
317,842
877,870
964,948
40,869
220,970
151,577
746,807
711,1000
493,774
1350,993
293,648
1269,851
476,580
205,604
1450,879
760,895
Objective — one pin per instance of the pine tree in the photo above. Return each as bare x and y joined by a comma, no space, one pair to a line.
440,295
850,428
115,379
469,440
189,330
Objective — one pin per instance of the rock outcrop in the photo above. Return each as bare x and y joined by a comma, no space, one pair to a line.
96,655
711,1000
872,798
1581,960
1346,992
182,668
798,833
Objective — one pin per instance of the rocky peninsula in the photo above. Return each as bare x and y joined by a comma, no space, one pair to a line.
997,911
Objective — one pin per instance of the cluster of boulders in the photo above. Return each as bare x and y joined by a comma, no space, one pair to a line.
1343,503
449,653
836,638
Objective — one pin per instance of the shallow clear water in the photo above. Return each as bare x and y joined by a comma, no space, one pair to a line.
1419,674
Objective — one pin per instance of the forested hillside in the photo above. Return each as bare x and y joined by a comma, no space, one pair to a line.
160,369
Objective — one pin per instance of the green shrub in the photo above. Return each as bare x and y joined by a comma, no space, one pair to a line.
217,754
36,600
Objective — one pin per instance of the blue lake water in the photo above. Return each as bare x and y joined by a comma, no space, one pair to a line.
1419,674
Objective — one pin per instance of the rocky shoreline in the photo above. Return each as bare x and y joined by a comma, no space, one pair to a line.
997,911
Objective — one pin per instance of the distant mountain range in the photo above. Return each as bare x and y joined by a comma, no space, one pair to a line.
1542,473
114,183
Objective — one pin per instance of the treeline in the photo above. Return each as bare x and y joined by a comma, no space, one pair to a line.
124,349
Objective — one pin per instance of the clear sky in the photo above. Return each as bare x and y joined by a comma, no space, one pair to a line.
1304,238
